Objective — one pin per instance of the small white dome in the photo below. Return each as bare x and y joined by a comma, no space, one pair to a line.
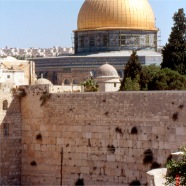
43,81
10,58
106,70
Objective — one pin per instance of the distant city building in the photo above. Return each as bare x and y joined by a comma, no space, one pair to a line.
35,52
16,72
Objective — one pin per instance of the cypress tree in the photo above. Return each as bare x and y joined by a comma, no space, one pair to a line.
174,52
132,69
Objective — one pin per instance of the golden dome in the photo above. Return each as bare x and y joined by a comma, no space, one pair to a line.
116,14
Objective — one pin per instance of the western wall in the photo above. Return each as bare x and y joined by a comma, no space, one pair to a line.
106,138
98,138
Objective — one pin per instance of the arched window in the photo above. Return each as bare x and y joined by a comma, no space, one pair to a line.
6,129
5,105
66,82
75,81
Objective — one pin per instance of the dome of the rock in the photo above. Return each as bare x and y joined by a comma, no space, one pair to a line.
116,14
115,25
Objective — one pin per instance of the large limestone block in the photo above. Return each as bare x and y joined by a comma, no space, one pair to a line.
156,177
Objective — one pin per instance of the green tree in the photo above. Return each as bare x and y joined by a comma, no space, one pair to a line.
167,79
174,52
90,85
177,168
132,69
148,73
132,85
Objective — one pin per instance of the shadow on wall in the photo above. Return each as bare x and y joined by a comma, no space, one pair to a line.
10,140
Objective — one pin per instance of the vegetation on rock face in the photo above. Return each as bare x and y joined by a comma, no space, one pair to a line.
33,163
174,52
177,168
19,92
44,97
90,85
39,137
118,130
111,148
134,130
79,182
148,157
155,165
135,183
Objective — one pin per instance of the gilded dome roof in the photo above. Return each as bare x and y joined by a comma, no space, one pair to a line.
116,14
106,70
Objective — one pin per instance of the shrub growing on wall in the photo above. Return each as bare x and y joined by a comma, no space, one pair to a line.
177,168
148,157
33,163
79,182
134,130
38,137
135,183
44,97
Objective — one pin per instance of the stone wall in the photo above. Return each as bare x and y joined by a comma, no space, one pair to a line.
10,138
106,138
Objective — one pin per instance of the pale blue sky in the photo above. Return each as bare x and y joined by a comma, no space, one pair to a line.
48,23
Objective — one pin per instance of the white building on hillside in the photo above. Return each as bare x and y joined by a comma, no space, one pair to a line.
17,72
12,77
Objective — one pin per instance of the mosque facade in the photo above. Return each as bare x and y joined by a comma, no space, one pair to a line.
107,32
